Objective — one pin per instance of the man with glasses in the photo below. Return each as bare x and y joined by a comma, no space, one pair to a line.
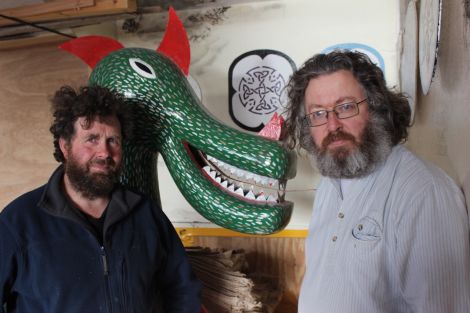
389,231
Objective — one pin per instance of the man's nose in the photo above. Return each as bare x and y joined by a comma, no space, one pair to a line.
333,121
103,149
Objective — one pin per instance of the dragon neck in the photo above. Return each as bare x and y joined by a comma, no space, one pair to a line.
139,171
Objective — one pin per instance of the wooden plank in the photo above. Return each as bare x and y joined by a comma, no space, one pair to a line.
64,24
101,7
36,39
279,257
29,79
48,7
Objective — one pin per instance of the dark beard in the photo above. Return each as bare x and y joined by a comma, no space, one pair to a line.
92,185
373,149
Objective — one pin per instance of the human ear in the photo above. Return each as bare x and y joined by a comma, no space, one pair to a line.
64,145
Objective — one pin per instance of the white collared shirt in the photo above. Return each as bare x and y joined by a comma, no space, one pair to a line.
396,242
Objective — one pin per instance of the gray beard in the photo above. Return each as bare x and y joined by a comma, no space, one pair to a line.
374,147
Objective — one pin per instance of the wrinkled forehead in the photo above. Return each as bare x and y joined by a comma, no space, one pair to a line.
333,88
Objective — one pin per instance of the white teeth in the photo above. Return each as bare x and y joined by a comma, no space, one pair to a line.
272,198
239,191
248,187
261,197
209,171
250,195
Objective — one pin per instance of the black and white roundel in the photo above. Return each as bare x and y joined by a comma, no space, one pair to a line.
257,81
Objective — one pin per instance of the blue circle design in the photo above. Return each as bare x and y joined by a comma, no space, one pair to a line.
361,48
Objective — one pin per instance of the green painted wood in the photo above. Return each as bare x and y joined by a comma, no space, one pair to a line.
169,119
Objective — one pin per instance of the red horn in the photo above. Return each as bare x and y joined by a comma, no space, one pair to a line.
175,43
91,49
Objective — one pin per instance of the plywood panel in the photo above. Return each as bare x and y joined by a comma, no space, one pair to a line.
81,9
281,257
29,77
49,7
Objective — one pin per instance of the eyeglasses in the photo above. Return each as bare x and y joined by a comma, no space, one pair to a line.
342,111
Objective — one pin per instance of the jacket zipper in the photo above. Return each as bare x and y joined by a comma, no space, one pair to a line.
105,261
106,278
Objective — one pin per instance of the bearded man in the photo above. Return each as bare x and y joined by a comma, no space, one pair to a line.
82,242
389,232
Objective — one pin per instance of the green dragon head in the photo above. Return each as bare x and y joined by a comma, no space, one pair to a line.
234,179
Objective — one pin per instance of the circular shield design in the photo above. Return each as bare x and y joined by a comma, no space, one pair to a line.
257,81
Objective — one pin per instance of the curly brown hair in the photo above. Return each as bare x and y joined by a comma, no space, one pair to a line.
392,107
89,102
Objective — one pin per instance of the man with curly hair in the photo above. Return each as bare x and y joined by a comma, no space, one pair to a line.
83,243
389,232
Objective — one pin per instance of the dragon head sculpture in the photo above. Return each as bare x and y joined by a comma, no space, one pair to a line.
222,172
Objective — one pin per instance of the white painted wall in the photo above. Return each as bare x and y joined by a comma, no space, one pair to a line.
441,132
298,28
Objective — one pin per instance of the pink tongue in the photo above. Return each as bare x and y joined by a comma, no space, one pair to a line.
273,129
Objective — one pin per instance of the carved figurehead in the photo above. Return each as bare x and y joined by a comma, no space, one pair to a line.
234,179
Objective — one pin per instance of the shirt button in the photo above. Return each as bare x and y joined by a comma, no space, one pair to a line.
334,238
340,215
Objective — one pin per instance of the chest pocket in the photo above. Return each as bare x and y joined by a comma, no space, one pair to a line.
367,229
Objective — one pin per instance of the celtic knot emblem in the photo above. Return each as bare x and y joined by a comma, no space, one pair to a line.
260,90
257,87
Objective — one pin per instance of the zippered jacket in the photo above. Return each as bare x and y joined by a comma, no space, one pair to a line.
52,261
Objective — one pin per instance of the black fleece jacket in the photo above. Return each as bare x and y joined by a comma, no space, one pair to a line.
51,260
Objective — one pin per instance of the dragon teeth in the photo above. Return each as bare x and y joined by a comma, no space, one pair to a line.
272,198
246,175
250,195
261,197
239,190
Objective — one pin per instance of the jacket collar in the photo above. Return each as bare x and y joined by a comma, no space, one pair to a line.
54,201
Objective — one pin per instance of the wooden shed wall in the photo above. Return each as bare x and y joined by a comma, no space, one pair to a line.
29,77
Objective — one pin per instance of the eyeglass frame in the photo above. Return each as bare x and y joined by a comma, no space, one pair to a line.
333,110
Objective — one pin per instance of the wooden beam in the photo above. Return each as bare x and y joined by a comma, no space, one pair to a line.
63,24
31,41
100,7
48,7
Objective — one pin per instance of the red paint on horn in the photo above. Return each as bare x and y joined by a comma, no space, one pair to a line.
91,49
175,43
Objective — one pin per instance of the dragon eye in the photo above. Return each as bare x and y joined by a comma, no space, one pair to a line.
142,68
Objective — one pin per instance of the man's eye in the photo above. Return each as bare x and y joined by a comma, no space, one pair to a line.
114,141
346,107
318,114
